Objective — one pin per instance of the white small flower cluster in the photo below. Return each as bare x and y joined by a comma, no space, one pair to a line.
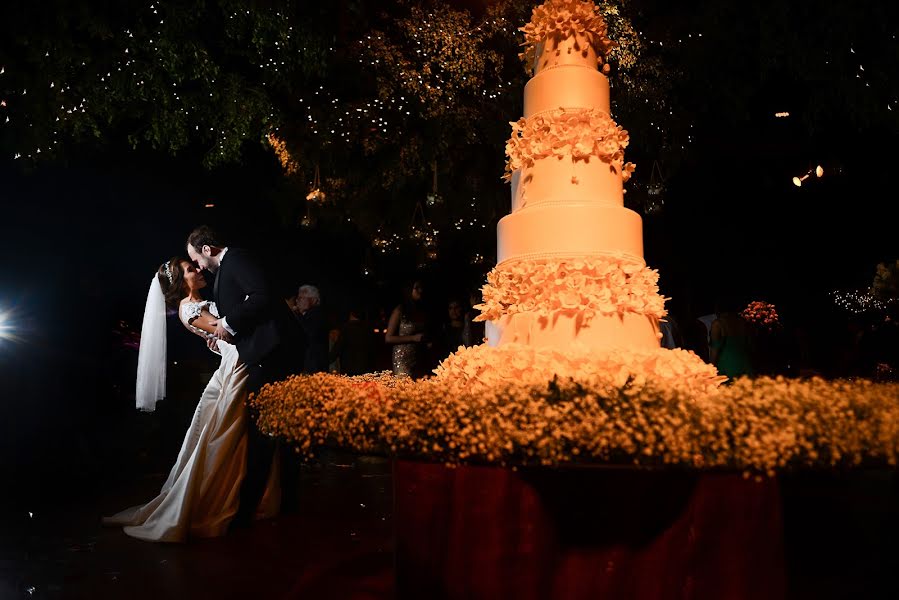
640,410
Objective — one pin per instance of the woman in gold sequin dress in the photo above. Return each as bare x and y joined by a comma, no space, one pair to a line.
407,333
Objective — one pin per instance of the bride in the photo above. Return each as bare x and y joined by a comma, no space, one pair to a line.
202,492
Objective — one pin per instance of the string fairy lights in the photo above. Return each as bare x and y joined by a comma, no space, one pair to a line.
857,302
149,69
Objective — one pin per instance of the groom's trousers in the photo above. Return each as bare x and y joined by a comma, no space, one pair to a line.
260,447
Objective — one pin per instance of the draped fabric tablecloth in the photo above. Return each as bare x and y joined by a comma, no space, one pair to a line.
572,533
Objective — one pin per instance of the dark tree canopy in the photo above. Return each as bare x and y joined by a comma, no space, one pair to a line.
385,100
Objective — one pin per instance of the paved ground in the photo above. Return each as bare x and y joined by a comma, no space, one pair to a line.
338,544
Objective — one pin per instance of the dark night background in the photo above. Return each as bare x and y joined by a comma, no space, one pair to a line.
84,230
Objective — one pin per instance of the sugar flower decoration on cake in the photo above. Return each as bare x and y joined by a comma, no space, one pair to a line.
576,135
606,285
557,20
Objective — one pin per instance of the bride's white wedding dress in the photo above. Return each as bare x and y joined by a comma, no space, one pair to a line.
202,492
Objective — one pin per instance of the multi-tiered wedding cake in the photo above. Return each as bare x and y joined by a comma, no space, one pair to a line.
571,293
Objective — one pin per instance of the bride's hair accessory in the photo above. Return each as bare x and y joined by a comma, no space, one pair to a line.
151,358
168,271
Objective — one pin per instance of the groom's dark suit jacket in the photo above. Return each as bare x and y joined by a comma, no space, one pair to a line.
262,320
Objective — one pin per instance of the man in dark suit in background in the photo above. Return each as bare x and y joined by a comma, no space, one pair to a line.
312,320
259,323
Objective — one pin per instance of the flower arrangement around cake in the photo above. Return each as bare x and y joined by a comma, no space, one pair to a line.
561,19
567,134
758,426
486,366
606,284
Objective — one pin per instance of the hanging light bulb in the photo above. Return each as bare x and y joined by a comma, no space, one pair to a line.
817,171
316,194
434,198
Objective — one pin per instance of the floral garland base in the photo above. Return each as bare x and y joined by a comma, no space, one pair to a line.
486,367
758,426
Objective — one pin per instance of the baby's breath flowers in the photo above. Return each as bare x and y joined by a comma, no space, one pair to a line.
759,426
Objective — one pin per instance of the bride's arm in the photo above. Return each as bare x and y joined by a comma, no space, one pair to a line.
204,323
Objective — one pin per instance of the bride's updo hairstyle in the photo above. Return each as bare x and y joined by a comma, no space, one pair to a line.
171,278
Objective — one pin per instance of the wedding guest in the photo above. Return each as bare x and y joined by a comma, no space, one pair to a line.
355,348
452,334
670,324
671,336
474,333
407,333
333,361
696,338
312,320
730,347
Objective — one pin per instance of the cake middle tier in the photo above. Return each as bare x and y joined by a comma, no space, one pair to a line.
552,179
569,229
567,86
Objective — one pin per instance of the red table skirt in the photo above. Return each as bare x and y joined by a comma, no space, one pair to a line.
490,532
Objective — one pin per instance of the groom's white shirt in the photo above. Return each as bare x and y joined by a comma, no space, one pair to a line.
224,319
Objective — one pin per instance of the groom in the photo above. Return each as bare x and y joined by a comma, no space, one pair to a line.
260,324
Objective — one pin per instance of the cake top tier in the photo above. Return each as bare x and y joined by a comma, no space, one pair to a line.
564,30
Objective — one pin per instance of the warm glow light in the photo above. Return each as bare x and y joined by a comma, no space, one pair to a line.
818,172
209,205
782,114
